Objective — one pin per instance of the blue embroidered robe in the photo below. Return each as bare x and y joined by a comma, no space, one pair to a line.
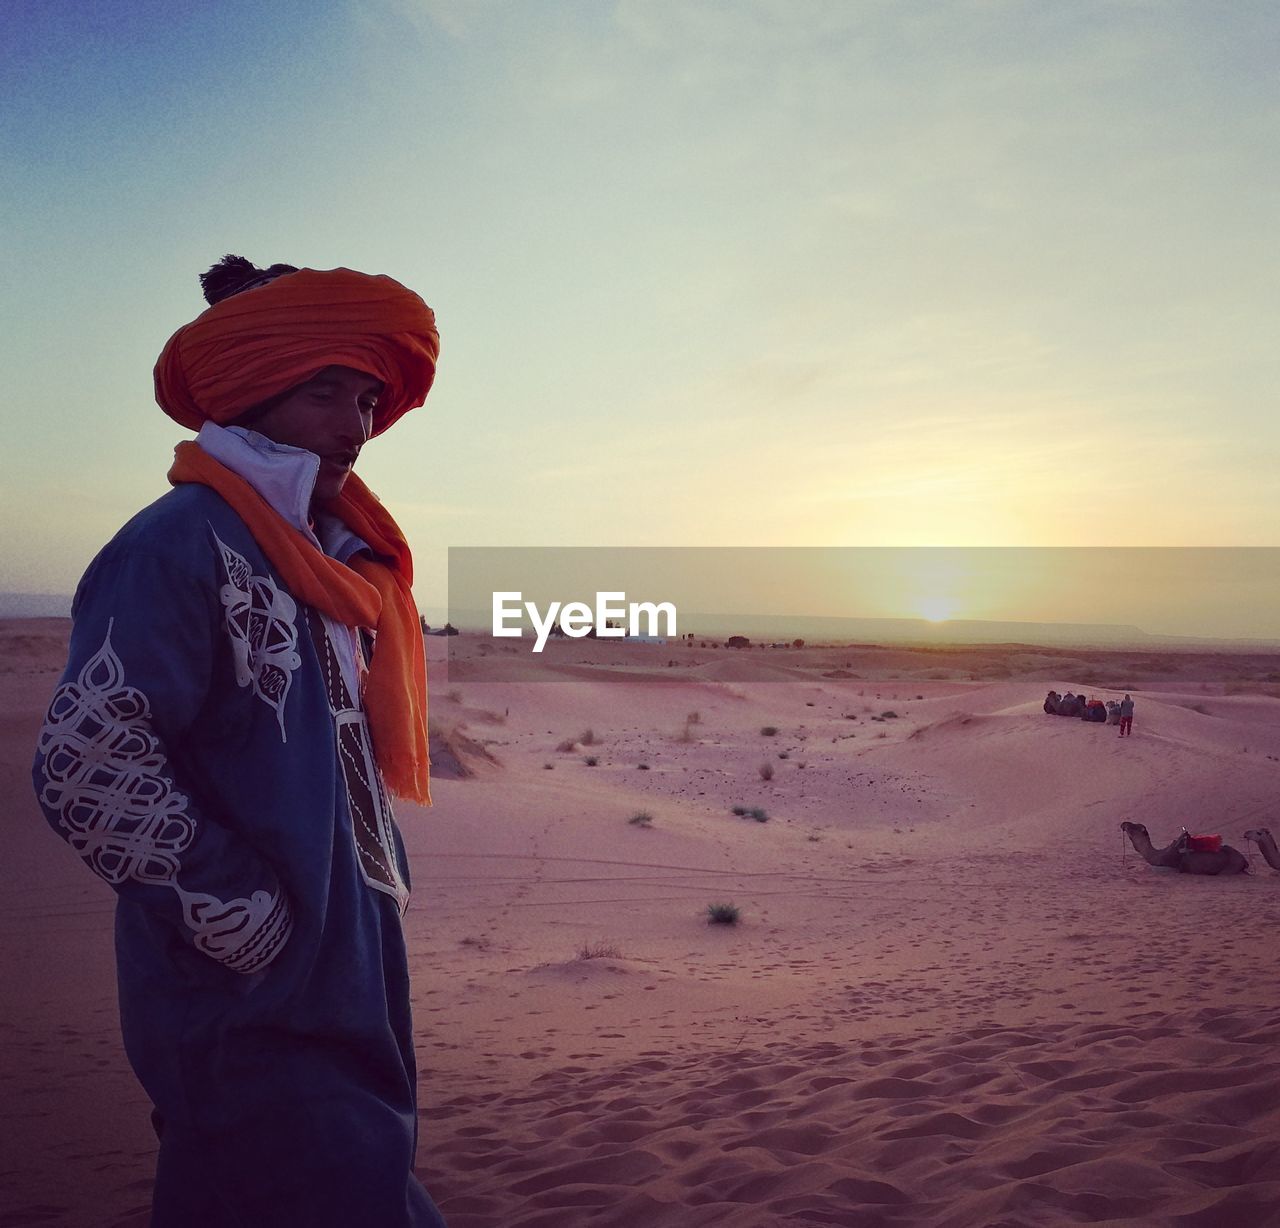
198,755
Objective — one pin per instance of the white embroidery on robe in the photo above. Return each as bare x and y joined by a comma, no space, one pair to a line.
372,823
264,635
103,770
243,934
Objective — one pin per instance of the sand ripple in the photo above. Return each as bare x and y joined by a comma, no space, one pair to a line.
1162,1120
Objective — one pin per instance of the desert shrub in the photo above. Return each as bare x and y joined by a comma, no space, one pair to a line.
769,731
694,718
566,747
889,716
766,771
598,950
548,767
738,810
760,816
642,767
722,914
587,737
643,819
784,754
591,761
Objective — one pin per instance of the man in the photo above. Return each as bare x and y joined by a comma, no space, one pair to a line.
245,673
1126,716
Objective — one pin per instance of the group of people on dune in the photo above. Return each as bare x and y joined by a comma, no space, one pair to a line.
1108,712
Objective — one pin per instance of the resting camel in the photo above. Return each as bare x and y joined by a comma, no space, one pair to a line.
1177,856
1262,837
1169,856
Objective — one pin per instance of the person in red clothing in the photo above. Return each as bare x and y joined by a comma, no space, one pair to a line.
1126,716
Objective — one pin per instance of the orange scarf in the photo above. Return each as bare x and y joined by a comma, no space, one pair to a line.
367,592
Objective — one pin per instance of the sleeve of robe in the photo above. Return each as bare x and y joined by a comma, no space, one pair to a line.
107,771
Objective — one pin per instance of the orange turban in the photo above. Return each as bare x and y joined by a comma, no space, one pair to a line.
260,342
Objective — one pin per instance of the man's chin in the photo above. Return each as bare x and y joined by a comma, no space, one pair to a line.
327,493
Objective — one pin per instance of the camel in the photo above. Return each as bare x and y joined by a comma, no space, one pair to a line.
1177,856
1262,837
1169,856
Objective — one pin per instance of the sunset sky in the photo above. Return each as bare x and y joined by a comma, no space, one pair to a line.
731,273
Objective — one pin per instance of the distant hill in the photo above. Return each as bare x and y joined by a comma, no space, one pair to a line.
822,629
818,628
952,631
35,605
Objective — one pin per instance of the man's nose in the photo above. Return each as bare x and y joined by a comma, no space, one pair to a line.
357,423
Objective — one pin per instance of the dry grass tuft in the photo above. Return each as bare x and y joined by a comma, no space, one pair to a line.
723,914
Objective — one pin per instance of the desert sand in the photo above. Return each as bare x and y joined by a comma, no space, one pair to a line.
952,998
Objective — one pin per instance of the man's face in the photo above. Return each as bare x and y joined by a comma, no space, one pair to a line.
331,415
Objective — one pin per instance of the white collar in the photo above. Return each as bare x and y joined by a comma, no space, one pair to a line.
285,477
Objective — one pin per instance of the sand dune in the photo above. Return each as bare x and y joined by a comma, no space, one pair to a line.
1153,1120
954,997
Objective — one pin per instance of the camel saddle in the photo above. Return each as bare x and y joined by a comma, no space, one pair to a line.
1204,844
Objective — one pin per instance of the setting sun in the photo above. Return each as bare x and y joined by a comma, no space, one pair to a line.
937,609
